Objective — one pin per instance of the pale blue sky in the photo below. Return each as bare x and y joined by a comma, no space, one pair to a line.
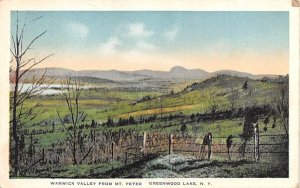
194,30
163,32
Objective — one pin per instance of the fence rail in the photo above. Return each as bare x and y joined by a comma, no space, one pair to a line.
173,143
129,148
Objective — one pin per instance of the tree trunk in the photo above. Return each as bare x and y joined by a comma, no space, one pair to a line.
244,148
74,153
15,123
285,123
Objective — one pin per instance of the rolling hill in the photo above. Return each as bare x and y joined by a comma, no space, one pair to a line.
176,73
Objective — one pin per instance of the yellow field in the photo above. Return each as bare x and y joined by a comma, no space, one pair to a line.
156,111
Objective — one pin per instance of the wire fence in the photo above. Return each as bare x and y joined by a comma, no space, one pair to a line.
130,148
178,143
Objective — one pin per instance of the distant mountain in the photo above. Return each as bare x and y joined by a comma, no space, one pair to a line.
60,72
112,75
180,72
176,73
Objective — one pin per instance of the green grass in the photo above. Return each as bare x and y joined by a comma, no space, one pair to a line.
100,103
46,140
84,170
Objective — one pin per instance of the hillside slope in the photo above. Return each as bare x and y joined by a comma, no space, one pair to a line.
176,73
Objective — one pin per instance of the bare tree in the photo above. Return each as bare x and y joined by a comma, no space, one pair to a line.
20,65
71,92
280,104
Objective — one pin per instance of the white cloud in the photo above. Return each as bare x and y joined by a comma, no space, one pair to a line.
77,30
171,34
110,46
133,41
138,30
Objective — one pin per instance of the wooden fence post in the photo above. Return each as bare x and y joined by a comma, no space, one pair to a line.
256,142
144,143
170,144
112,151
43,156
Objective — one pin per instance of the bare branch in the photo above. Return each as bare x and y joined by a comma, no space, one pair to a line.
32,43
86,154
35,19
33,65
28,61
71,92
61,120
32,165
17,33
35,89
14,44
22,115
20,112
22,31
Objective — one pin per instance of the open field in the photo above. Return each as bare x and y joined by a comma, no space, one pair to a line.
217,105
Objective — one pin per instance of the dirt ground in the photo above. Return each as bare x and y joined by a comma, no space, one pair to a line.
184,166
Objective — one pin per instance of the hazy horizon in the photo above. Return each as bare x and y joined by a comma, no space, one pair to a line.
152,70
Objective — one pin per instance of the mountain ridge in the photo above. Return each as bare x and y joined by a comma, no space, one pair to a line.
177,73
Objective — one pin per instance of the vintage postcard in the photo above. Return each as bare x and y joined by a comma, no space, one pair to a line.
149,95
